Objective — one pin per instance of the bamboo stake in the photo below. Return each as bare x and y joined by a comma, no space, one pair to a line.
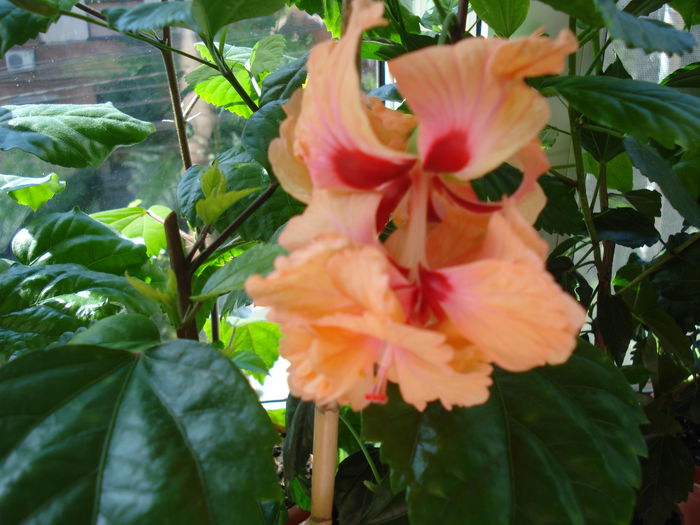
324,465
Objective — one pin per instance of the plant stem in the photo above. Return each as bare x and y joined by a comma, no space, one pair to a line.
91,11
602,129
581,183
214,318
457,30
325,460
597,63
231,229
226,72
363,448
175,101
201,238
147,40
188,329
658,263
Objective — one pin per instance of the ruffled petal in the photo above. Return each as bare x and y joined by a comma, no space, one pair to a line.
474,112
351,214
514,313
334,134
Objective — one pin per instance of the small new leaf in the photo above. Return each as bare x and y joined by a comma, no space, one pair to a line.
31,191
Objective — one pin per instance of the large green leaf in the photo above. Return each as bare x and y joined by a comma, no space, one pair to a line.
38,304
296,449
658,170
585,10
17,25
647,34
124,331
31,191
74,237
553,445
256,260
261,129
138,223
503,16
667,480
641,109
151,16
689,10
71,135
171,435
212,15
48,8
280,84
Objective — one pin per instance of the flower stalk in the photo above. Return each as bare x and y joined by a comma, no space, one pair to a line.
325,454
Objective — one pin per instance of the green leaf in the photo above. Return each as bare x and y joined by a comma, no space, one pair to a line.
38,304
231,53
602,146
267,54
626,227
296,450
280,84
689,10
210,209
261,129
213,88
330,12
658,170
686,79
553,445
125,332
644,7
17,25
642,109
48,8
502,181
619,174
667,479
561,213
261,339
647,202
356,504
212,15
504,16
174,434
256,260
671,337
70,135
74,237
213,182
138,223
615,324
584,10
31,191
150,17
649,35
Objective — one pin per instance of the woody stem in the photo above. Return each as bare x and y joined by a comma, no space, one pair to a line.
324,464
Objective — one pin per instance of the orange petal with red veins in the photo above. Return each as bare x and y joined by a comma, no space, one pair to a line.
351,214
514,313
290,170
474,113
335,136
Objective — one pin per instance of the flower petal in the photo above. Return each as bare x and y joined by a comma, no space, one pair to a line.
335,135
514,313
474,112
290,170
351,214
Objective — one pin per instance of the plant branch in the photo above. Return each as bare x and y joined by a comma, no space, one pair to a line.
201,238
188,329
230,77
363,448
147,40
325,452
175,101
658,263
231,229
91,11
460,25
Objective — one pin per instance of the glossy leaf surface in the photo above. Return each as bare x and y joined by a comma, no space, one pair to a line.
504,16
174,435
74,237
151,16
70,135
553,445
138,223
